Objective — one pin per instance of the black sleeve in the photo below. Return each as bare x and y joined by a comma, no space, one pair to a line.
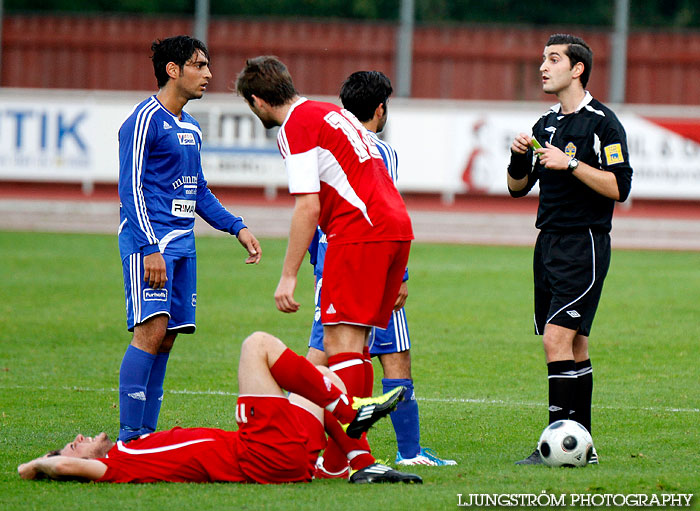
614,155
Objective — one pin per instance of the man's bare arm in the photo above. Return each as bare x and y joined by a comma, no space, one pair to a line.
304,220
62,467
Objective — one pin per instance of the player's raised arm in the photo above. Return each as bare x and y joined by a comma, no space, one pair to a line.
62,467
520,165
602,181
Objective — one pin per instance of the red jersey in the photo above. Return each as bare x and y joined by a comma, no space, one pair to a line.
277,442
198,455
327,151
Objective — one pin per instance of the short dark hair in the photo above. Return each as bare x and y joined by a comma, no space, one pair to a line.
363,91
178,49
267,78
577,51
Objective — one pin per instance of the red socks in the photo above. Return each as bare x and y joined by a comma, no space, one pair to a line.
296,374
340,445
350,368
369,373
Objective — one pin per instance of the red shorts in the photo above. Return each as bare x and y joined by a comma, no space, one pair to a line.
278,442
361,282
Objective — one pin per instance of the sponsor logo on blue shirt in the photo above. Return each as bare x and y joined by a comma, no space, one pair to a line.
155,295
186,139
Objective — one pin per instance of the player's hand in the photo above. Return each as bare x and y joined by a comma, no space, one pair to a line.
28,470
251,244
403,295
284,295
521,143
553,158
154,270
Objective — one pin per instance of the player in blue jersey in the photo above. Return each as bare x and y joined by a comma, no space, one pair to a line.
161,187
365,94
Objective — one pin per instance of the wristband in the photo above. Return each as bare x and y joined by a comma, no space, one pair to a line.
518,167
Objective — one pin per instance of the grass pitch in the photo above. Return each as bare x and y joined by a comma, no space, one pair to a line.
479,373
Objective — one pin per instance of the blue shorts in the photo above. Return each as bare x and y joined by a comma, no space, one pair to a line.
178,299
394,339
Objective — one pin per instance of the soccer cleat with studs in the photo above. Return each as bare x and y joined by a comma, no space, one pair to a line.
533,459
378,473
371,409
425,456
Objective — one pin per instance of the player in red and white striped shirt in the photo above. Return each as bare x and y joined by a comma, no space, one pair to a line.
340,183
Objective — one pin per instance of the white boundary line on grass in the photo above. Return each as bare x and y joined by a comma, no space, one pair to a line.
426,399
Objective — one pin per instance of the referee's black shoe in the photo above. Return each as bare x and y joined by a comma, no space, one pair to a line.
533,459
378,473
593,460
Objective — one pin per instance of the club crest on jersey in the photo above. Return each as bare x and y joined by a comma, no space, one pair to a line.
155,295
186,138
570,150
613,153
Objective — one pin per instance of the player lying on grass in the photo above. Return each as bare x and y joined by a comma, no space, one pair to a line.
277,441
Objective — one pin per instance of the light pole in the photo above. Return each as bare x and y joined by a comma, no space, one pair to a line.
618,59
404,53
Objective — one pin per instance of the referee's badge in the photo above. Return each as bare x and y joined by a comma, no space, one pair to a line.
570,150
613,153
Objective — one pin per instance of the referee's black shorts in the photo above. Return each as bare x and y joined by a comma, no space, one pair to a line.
569,270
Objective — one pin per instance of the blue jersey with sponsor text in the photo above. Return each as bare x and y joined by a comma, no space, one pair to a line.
161,184
317,249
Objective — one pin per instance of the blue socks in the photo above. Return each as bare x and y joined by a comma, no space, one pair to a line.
154,393
405,418
133,379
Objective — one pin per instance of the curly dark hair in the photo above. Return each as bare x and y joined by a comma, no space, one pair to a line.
178,49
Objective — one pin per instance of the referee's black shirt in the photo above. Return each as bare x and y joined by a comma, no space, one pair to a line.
593,135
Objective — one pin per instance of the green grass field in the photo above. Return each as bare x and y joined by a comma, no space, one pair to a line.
479,372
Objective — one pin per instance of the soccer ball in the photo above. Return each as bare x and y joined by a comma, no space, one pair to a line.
565,443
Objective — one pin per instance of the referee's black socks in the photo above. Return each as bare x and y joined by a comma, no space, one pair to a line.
562,389
584,393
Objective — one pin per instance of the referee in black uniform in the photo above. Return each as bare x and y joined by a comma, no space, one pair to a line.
582,168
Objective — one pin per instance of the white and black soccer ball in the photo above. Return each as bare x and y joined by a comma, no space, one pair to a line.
565,443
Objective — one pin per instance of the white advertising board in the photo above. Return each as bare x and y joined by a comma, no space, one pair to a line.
59,136
464,147
445,147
